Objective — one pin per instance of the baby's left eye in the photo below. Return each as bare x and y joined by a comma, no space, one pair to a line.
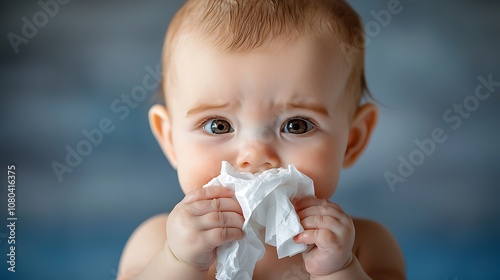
297,126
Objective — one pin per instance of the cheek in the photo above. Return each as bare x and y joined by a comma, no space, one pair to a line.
322,164
197,162
325,173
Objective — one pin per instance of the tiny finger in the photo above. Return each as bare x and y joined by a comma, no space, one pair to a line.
322,210
202,207
313,201
322,238
321,222
218,236
220,220
208,193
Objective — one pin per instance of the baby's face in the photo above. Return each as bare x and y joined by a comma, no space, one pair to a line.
259,110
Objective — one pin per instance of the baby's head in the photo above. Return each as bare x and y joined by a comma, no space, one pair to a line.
263,84
243,26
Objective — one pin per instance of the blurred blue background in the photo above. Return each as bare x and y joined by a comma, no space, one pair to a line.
84,57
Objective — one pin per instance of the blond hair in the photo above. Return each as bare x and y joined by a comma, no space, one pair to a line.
245,25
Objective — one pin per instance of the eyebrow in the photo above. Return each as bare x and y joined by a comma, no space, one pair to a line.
202,107
308,106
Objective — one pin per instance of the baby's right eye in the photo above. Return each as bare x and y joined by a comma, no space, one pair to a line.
217,126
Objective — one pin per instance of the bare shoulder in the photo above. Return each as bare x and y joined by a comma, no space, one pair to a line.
142,246
378,251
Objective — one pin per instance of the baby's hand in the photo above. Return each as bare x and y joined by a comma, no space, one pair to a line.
329,232
203,220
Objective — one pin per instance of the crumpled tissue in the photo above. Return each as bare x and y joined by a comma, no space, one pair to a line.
265,199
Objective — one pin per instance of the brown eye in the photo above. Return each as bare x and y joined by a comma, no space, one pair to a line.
218,126
297,126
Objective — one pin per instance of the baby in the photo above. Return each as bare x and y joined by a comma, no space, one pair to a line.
262,84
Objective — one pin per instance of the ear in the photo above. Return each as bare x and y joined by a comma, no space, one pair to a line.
161,126
362,126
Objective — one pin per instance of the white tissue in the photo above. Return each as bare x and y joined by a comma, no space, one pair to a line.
265,199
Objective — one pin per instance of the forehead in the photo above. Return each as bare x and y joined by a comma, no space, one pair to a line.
286,70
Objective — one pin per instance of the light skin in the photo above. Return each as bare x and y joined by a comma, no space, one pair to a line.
279,105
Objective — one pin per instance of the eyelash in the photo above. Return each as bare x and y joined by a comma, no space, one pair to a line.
204,121
310,126
314,123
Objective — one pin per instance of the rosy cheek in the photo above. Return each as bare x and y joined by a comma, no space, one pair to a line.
324,170
200,164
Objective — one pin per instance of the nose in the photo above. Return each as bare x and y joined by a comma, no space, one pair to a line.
257,156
